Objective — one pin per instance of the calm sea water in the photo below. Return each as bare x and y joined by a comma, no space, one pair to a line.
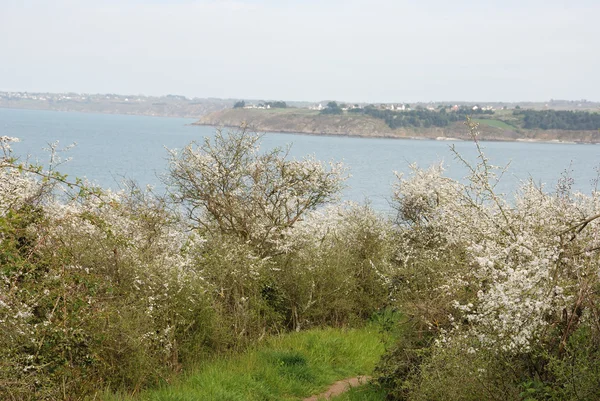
112,147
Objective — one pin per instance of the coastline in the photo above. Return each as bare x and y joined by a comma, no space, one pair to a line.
387,136
201,121
110,113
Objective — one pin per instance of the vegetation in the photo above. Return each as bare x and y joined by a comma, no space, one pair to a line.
503,295
287,367
104,291
332,108
273,105
118,291
368,392
495,123
277,104
225,184
527,119
445,116
423,117
559,119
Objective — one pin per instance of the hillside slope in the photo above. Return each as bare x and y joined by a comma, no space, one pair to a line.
306,121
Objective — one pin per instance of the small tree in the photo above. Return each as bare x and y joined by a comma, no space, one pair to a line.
277,105
239,105
229,186
332,108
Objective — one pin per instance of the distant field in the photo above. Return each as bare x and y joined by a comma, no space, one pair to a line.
495,123
505,126
289,110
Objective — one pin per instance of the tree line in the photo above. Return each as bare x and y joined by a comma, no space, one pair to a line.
410,118
421,117
559,119
273,105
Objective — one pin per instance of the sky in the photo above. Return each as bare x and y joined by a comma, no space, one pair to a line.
305,50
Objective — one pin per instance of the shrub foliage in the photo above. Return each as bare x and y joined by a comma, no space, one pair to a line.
503,295
118,290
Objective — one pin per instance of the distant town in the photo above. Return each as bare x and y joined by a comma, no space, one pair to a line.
182,106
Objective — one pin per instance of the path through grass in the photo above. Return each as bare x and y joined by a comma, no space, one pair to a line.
368,392
288,367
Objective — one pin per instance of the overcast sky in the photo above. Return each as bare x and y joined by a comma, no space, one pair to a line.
353,50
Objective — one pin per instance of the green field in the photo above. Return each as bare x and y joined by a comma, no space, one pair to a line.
495,123
287,367
288,110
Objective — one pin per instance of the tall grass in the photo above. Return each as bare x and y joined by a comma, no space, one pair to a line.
285,367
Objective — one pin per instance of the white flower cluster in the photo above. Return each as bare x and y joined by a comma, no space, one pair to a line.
348,221
527,263
5,142
229,186
110,238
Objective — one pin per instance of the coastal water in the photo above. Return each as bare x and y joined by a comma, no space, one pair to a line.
112,147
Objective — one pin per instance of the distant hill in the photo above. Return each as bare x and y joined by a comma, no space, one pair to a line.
556,120
164,106
504,127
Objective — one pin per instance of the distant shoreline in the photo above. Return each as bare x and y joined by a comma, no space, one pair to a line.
98,113
301,121
421,138
284,130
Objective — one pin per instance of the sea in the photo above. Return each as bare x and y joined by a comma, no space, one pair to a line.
110,148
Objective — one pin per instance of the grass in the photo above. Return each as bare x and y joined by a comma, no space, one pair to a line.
287,367
494,123
289,110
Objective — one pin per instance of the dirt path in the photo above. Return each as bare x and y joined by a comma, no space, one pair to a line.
340,387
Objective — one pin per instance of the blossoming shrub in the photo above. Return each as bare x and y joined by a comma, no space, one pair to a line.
273,258
116,290
501,289
235,276
96,291
335,266
229,186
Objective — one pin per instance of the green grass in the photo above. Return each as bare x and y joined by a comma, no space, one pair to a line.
289,110
494,123
287,367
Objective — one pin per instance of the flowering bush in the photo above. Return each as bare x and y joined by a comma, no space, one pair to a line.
116,290
228,186
335,265
502,280
96,287
265,255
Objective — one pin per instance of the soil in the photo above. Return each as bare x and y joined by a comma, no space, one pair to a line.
340,387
